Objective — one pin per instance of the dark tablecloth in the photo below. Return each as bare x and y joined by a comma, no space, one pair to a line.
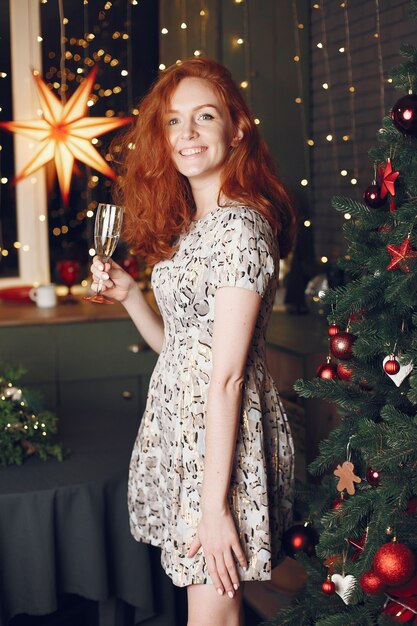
64,526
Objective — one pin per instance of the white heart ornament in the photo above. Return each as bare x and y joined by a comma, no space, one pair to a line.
403,372
344,586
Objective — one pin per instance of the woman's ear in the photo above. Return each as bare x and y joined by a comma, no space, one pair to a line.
237,138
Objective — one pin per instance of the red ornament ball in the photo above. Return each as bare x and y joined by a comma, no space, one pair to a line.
344,372
327,371
300,537
333,330
394,563
328,587
392,366
404,115
373,477
371,583
341,345
372,197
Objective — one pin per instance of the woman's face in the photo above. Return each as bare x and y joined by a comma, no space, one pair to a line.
199,131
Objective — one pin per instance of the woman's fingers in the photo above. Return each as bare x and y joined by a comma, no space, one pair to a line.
226,571
215,578
240,555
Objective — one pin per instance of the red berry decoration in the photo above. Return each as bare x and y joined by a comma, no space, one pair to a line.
333,330
328,587
394,563
337,502
341,345
371,583
327,370
392,366
404,115
373,477
300,537
344,372
412,506
372,196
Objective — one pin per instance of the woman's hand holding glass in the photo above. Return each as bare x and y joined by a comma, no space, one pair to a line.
114,281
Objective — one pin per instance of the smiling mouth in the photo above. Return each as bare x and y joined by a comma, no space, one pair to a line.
192,151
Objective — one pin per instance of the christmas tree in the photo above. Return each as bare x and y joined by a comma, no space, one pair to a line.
363,570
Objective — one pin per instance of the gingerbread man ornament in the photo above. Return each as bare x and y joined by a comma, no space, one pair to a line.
347,477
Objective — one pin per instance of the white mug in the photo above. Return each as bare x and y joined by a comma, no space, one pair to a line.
44,296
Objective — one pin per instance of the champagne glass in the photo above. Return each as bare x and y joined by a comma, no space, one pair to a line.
107,229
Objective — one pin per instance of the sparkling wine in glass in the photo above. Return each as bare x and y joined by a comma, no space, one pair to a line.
107,230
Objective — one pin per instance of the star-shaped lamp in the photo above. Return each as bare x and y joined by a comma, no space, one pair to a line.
65,132
400,255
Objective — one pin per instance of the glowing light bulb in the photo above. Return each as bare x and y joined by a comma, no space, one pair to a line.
92,252
257,121
307,223
353,181
197,53
347,216
304,182
183,25
164,31
324,259
240,41
343,172
162,66
298,100
346,137
352,89
319,45
244,84
325,85
310,142
296,58
341,49
329,137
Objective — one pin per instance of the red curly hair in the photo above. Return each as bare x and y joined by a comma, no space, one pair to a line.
158,201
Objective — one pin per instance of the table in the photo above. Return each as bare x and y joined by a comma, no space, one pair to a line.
64,529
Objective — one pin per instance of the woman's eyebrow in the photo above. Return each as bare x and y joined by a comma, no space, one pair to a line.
200,106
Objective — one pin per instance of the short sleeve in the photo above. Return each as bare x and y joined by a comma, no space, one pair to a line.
242,254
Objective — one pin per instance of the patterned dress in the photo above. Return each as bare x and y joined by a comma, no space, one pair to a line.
227,247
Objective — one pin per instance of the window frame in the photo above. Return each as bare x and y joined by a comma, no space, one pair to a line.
31,196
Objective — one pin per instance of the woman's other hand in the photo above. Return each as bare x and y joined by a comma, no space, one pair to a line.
217,535
116,282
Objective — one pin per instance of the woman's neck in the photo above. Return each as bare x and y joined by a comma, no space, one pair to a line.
206,196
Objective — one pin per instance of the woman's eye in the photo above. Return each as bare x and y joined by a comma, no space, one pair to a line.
206,116
173,121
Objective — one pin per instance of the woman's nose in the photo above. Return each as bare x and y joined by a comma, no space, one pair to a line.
189,131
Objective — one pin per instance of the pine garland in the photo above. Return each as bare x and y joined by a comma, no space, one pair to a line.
24,430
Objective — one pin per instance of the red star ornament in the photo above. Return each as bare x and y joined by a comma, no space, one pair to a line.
64,133
400,255
388,178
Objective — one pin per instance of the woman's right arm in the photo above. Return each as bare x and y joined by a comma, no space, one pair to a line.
119,285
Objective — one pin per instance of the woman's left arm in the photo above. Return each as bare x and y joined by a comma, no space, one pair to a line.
236,311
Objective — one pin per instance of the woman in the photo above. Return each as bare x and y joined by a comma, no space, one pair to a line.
211,470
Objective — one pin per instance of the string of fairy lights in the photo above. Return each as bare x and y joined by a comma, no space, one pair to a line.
350,134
